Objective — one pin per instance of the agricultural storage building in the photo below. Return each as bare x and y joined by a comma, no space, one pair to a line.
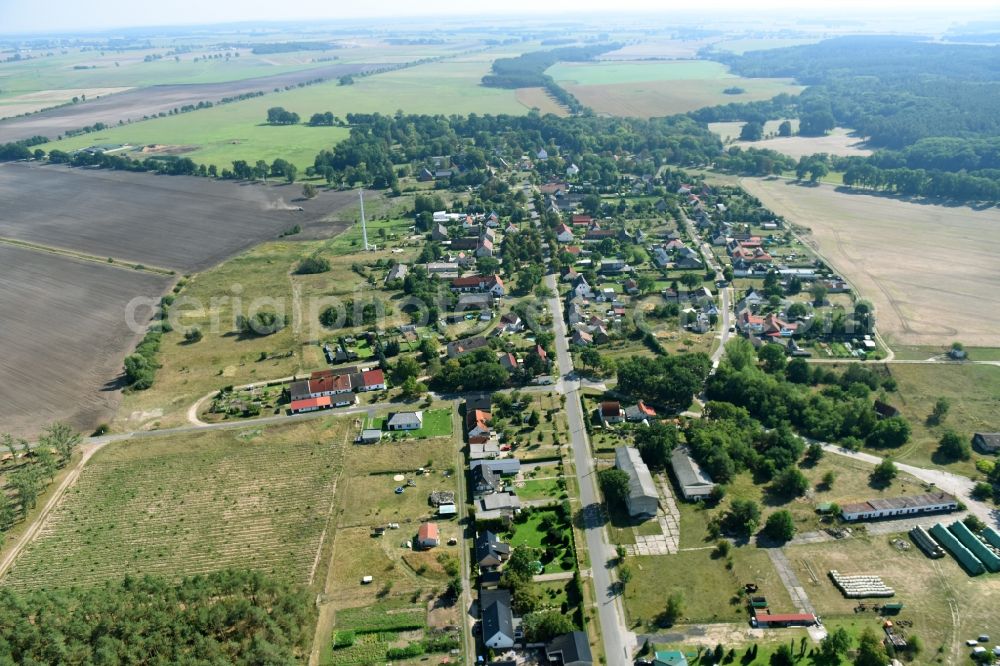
982,552
958,551
693,481
765,620
643,500
894,507
926,543
986,442
992,537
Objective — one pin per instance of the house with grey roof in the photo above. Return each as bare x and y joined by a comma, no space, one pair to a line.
490,550
497,618
643,499
691,479
405,421
572,649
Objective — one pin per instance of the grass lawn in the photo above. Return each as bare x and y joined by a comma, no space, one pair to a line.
974,394
236,131
258,497
437,423
537,489
530,533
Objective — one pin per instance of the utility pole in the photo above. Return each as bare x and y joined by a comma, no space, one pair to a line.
364,227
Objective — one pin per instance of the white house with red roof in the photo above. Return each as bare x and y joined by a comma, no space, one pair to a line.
564,234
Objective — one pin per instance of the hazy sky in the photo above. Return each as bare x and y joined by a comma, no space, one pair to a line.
46,15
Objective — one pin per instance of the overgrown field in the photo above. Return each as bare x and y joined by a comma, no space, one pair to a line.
190,371
258,497
925,267
973,395
648,89
237,131
64,336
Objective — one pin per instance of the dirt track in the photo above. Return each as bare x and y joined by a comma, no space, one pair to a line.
930,270
134,104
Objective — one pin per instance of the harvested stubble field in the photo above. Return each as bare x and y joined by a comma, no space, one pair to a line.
177,222
837,142
63,337
650,89
133,105
256,497
927,268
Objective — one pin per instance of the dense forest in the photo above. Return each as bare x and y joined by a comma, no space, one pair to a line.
231,617
929,108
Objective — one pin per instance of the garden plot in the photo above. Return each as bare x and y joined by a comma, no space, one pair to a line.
183,505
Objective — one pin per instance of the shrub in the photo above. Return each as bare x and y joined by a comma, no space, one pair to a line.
312,265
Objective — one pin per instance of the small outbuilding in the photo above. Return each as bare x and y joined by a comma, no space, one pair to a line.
428,536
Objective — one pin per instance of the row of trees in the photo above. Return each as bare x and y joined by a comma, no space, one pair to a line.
30,468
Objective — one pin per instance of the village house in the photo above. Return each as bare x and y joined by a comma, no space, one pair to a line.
497,618
490,550
310,405
439,232
611,412
508,361
485,481
405,421
458,348
499,466
487,450
572,649
479,283
639,412
564,234
477,426
397,272
497,506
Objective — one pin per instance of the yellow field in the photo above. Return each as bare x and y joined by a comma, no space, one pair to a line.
929,270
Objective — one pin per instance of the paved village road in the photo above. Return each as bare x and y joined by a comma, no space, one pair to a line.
619,642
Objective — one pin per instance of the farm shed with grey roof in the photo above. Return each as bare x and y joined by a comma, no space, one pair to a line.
643,500
693,481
